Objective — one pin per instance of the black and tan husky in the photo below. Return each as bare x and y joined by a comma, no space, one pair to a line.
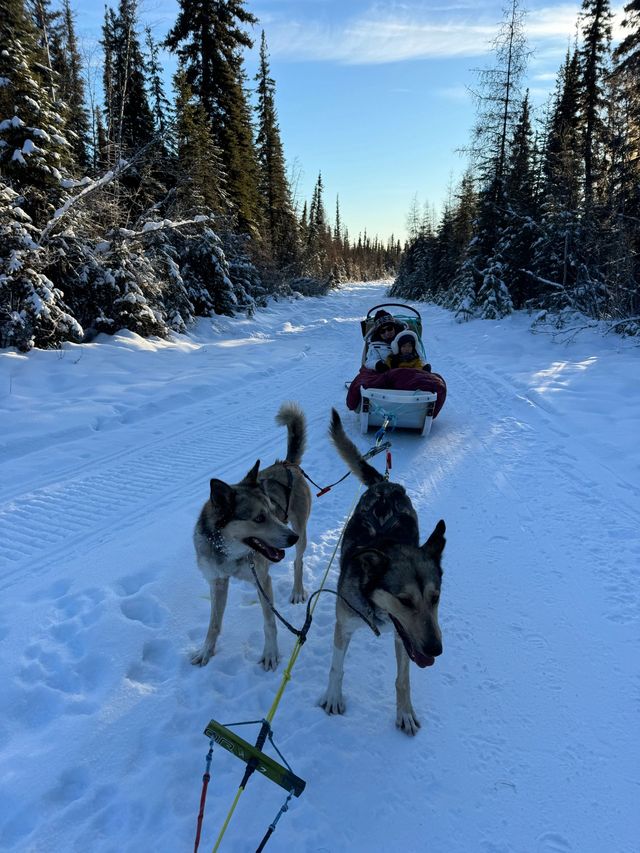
389,577
250,523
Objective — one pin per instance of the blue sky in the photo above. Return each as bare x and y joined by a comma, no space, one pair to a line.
374,94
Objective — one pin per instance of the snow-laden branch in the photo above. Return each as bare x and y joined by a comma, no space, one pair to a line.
88,189
159,225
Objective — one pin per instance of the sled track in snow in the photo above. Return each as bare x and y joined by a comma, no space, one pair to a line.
40,525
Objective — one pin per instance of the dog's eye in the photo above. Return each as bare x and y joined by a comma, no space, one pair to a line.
260,518
406,601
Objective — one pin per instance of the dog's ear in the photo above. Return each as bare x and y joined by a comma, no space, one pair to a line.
251,478
434,546
222,497
371,563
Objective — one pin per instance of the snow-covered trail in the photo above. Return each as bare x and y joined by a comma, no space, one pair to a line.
529,718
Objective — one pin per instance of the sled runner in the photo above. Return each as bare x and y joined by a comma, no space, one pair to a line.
411,398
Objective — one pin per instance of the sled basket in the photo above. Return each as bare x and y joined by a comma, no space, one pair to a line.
408,409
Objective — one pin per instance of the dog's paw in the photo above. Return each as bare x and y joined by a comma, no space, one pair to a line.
298,596
407,722
333,704
269,660
202,657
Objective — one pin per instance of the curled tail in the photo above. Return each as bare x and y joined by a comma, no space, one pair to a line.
350,453
292,416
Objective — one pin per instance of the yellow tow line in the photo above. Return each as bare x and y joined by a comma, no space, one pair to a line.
286,675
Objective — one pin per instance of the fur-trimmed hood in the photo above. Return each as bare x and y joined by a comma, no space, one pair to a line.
405,333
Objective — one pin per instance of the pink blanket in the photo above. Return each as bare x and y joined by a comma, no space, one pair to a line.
402,379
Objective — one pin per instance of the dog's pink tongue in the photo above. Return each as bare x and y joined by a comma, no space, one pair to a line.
274,554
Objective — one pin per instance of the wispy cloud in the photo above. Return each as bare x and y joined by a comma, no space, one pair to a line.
453,93
405,33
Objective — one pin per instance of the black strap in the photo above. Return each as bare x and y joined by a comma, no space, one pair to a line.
368,455
301,633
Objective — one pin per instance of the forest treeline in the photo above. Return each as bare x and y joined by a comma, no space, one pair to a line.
127,206
547,217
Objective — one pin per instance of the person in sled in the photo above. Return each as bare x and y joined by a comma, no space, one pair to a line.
382,335
404,353
377,372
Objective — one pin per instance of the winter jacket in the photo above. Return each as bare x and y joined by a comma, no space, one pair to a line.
399,361
377,351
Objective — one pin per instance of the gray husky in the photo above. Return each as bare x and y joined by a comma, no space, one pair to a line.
387,576
249,524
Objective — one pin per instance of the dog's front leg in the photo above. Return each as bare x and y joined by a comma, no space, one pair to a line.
299,593
218,590
269,659
333,701
405,717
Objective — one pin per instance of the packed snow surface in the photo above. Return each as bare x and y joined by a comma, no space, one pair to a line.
529,740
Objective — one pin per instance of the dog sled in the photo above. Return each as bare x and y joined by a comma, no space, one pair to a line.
408,398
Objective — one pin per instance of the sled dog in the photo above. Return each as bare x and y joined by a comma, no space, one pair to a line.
389,577
250,523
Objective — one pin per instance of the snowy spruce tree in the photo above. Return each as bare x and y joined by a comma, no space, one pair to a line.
414,271
625,171
520,229
66,60
34,155
317,235
32,309
201,174
556,250
130,123
499,107
208,37
279,227
34,151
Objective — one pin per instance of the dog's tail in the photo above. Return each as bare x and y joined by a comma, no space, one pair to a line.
350,453
292,416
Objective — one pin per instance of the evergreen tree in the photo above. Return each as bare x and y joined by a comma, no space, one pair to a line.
208,37
160,106
415,278
555,251
68,63
493,299
201,178
498,101
337,231
34,153
278,217
561,169
32,310
317,260
304,225
626,75
627,53
129,119
594,67
499,97
515,247
454,235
